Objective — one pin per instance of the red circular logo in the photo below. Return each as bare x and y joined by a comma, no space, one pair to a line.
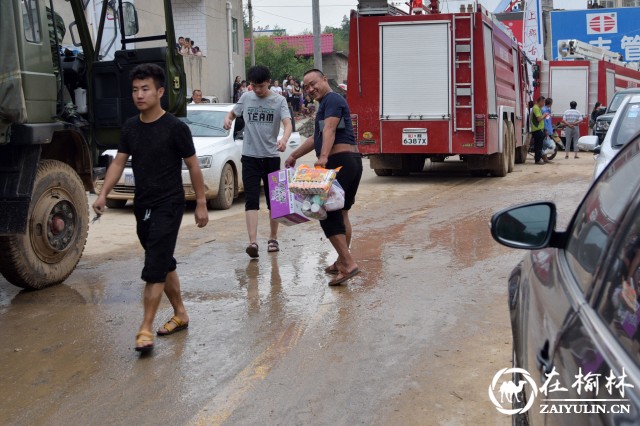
602,24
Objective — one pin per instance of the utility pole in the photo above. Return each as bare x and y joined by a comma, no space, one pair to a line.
252,47
317,49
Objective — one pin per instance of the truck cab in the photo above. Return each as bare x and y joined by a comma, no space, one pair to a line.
65,97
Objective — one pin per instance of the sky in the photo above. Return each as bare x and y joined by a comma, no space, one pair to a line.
295,15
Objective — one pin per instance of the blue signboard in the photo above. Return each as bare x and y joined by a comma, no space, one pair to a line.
617,30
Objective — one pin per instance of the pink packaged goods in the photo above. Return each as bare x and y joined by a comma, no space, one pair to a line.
307,180
286,207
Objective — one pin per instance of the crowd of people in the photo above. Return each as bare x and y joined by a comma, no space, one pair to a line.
159,211
542,130
187,47
300,102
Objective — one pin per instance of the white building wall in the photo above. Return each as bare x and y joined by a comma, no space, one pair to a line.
205,21
189,21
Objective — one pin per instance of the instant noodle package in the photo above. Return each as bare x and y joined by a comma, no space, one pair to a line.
308,180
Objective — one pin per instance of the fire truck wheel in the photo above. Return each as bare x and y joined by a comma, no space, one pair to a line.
500,160
511,147
56,233
521,154
383,172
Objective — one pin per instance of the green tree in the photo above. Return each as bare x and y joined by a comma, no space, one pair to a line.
281,59
340,35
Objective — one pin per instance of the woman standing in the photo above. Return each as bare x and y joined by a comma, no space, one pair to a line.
236,89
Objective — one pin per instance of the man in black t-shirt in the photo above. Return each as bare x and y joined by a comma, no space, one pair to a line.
157,143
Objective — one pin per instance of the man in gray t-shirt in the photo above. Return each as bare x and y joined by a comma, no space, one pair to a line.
262,112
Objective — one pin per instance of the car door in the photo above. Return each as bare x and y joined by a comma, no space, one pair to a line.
595,356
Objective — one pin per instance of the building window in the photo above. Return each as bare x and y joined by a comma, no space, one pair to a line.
631,3
607,4
234,34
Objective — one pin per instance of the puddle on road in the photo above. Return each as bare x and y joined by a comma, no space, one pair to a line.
468,239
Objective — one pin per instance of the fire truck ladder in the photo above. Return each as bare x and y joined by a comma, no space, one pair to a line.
463,73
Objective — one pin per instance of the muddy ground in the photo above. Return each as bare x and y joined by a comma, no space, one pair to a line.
415,339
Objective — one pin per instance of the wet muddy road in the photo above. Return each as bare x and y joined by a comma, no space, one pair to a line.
414,339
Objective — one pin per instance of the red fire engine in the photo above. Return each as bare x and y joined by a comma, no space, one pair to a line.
587,75
433,85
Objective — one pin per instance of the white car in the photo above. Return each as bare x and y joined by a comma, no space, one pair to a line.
219,152
625,125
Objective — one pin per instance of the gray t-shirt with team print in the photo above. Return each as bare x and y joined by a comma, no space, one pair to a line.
262,118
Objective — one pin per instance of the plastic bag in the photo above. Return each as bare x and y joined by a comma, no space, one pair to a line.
335,199
313,207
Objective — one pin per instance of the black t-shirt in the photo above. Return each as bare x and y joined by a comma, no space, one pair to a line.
334,105
157,150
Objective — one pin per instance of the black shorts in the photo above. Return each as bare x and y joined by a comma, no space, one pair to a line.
349,178
254,171
157,230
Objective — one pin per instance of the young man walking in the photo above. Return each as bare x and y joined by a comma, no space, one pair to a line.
262,111
335,146
157,143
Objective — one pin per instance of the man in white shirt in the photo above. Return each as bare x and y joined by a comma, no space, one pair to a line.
571,119
276,88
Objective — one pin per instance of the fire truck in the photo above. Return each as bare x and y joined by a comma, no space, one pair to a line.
430,85
585,74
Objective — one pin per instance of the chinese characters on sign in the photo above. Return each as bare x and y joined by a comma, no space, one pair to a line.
589,382
532,36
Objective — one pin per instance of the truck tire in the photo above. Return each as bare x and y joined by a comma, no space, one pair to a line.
226,190
383,172
116,204
500,160
57,227
512,146
521,153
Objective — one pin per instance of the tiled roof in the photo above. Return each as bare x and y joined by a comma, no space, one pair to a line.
302,43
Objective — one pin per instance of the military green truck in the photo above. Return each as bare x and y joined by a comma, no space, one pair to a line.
61,106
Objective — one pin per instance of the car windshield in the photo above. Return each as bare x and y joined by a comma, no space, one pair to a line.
628,125
206,123
615,102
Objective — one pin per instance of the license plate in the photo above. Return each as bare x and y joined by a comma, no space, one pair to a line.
129,180
414,137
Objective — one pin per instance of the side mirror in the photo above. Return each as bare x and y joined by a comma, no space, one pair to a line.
596,150
535,72
528,226
130,18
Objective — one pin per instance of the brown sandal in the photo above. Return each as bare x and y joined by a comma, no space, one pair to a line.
272,246
144,341
332,269
174,325
340,278
252,250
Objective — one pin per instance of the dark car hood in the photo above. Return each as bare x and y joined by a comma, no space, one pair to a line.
606,117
